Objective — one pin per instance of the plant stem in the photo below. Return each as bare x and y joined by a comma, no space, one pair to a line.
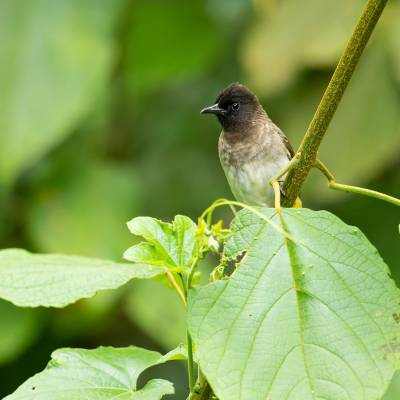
190,361
177,288
202,389
187,285
331,99
354,189
192,270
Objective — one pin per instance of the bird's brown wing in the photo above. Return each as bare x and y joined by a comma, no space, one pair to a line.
287,144
290,153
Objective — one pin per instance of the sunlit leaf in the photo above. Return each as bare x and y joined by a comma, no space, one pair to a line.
52,280
310,312
167,244
393,392
103,373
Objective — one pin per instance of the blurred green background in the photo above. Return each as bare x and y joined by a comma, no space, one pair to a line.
99,122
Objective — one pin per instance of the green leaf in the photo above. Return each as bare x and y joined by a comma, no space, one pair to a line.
102,373
170,245
53,280
393,392
55,60
310,313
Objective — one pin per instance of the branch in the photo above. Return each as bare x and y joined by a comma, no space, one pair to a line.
202,389
330,100
354,189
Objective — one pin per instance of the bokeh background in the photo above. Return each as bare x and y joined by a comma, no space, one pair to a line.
99,122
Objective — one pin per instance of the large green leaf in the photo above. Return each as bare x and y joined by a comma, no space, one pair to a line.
393,392
310,313
103,373
167,244
54,280
55,60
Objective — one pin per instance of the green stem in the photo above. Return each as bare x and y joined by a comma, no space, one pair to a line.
331,99
224,202
287,168
354,189
175,285
202,390
192,270
190,362
187,284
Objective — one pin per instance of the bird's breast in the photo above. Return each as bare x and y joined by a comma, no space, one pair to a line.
249,170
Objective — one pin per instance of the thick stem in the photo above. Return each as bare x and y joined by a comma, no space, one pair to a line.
331,99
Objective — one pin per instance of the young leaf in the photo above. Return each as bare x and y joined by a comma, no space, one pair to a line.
170,245
102,373
310,313
53,280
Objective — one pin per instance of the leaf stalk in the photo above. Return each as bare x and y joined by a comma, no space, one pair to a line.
354,189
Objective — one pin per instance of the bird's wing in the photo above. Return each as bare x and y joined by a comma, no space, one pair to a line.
287,144
289,152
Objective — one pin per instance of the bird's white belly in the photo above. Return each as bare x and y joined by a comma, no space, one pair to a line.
250,182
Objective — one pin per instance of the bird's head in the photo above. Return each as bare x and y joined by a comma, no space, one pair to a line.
236,108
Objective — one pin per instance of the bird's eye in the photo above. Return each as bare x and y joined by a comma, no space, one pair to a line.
235,106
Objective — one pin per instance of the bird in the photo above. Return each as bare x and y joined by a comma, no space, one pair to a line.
252,149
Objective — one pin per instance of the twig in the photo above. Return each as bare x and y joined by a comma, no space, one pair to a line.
175,285
354,189
275,180
331,99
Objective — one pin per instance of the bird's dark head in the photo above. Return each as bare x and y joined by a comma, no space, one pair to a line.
236,108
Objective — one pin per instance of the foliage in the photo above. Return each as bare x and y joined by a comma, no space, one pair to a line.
55,280
97,374
85,144
309,312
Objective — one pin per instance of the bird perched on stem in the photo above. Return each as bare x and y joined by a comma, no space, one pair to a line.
252,149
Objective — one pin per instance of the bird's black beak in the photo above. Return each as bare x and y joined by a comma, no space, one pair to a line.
214,109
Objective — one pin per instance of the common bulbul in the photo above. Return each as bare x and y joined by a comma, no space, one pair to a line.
252,149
